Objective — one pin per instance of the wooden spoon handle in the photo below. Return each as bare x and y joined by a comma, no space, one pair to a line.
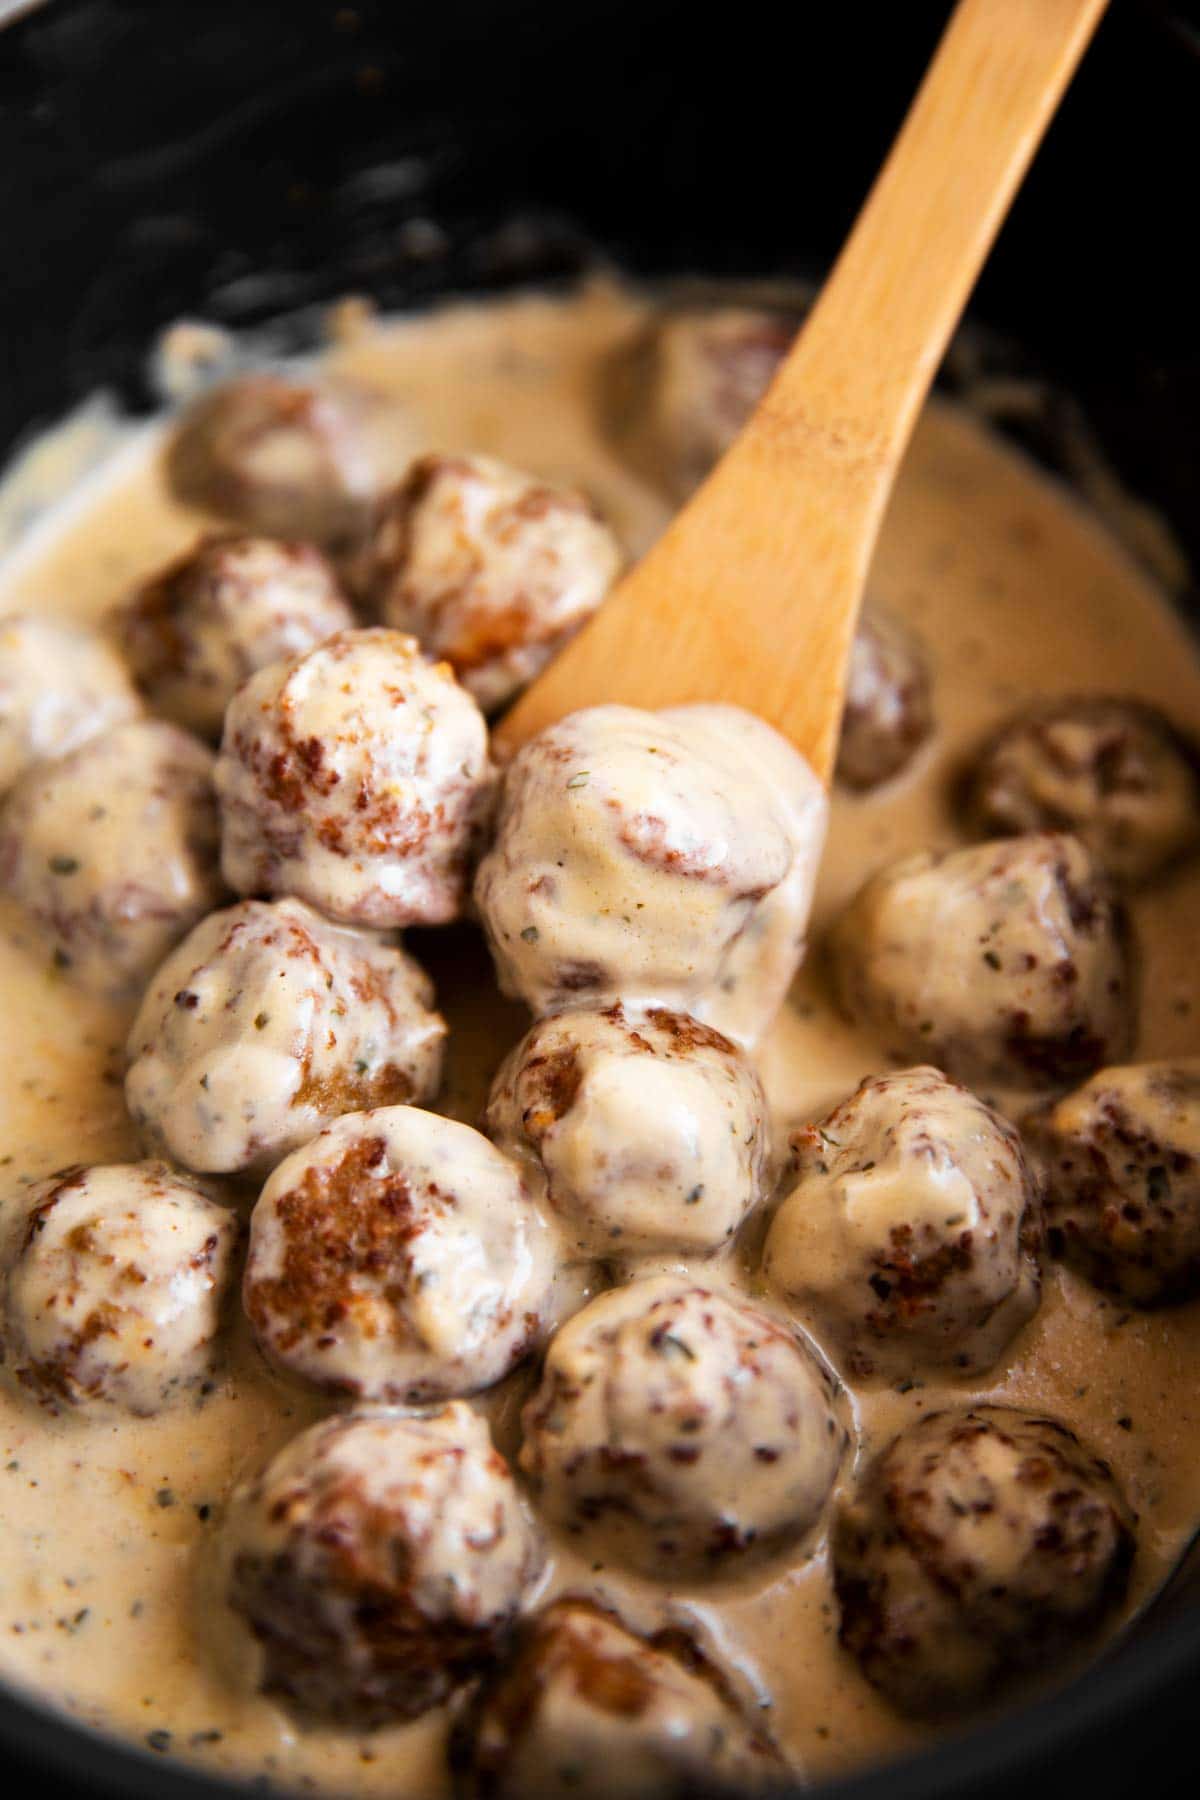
752,593
872,344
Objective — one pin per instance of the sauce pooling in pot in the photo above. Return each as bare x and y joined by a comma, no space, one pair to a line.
107,1599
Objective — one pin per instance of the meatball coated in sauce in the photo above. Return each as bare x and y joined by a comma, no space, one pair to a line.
910,1230
380,1560
1121,1162
113,851
694,377
586,1707
889,707
397,1257
680,1429
265,1024
980,1543
1006,961
488,568
649,1130
59,686
114,1286
666,858
1116,773
228,608
356,777
280,457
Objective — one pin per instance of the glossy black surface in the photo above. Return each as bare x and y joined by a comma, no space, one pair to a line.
161,157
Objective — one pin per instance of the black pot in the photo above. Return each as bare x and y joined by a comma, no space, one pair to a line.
243,159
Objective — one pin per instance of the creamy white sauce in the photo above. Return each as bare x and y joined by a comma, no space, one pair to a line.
107,1597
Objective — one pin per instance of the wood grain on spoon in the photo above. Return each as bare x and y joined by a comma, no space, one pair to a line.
752,593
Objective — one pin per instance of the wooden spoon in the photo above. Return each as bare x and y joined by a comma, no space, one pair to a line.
752,593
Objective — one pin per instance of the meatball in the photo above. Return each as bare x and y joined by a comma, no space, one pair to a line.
1116,773
357,777
265,1024
889,709
666,858
648,1129
694,378
114,1286
59,686
1121,1163
280,457
1006,961
488,568
113,851
380,1560
233,605
682,1428
397,1257
586,1708
910,1231
980,1543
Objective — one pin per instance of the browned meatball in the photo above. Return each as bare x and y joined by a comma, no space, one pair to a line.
680,1429
112,851
59,686
212,619
279,456
980,1543
357,778
648,1129
1002,962
666,858
487,567
1121,1161
909,1233
1114,772
398,1256
889,707
114,1287
264,1025
585,1707
379,1560
690,382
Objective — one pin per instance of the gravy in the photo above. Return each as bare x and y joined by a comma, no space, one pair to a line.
106,1601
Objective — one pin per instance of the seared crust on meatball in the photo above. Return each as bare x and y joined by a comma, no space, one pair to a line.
909,1232
380,1560
1006,961
683,1428
280,457
689,382
1121,1162
584,1706
114,1286
1114,772
357,777
397,1257
59,686
113,851
648,1130
216,616
264,1025
666,858
487,567
889,706
980,1543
